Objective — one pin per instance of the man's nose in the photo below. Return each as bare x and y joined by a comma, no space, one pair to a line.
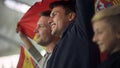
50,21
36,30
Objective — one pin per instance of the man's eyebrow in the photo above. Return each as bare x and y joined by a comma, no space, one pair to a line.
39,24
52,13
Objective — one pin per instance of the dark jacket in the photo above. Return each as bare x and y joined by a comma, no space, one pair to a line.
113,61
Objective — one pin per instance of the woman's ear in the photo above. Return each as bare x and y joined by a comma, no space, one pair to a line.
71,16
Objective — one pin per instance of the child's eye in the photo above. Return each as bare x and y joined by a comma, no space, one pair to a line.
98,32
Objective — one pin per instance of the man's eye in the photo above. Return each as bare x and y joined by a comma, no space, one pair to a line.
40,26
53,14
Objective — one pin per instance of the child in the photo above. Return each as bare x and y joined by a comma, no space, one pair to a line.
106,26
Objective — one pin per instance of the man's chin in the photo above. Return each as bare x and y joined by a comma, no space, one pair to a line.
38,42
53,33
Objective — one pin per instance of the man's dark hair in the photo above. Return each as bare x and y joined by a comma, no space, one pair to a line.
67,5
45,13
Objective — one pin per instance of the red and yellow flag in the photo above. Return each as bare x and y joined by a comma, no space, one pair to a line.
25,59
101,4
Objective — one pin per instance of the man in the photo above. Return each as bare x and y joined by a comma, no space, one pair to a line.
44,38
106,26
74,50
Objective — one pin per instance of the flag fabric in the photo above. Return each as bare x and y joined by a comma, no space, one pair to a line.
25,59
28,22
101,4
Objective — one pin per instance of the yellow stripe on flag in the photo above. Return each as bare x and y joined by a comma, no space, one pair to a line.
25,59
28,63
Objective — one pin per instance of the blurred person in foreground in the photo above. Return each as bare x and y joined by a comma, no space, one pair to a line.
106,26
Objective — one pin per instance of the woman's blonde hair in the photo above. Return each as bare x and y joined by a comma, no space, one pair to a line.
110,15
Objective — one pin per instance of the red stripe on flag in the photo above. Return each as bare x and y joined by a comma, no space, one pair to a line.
21,59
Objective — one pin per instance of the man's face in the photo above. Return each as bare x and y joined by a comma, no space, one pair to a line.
58,20
104,36
43,31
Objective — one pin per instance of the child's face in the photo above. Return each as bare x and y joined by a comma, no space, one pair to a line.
104,36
